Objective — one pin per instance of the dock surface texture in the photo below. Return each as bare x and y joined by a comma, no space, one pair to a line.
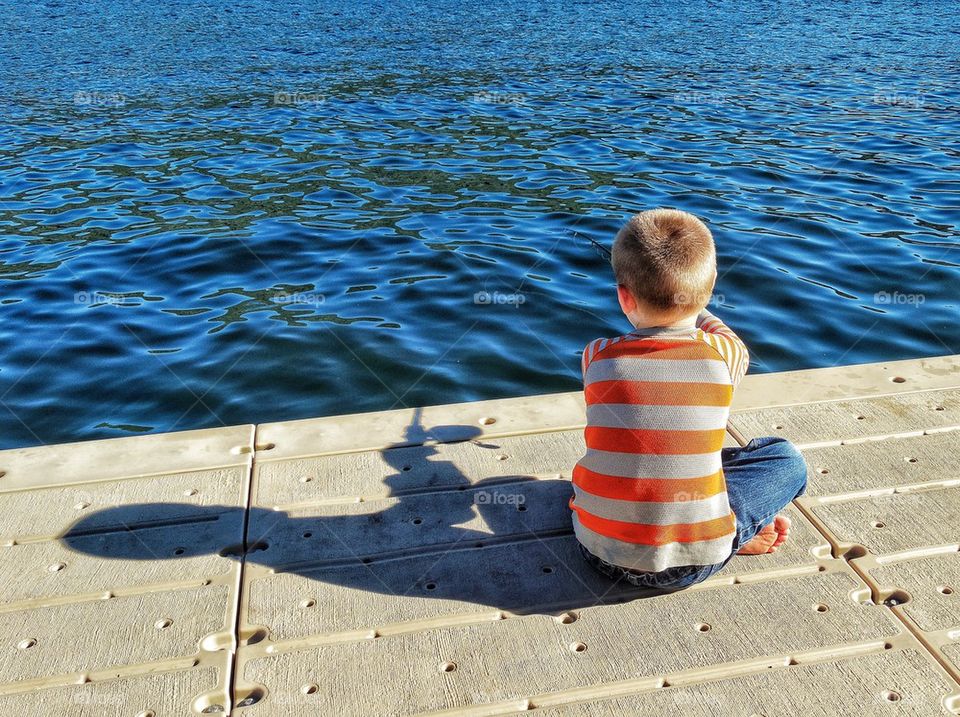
421,561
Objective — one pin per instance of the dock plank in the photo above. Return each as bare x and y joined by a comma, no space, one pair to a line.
415,426
878,465
167,693
519,657
416,468
894,523
544,573
120,458
858,418
933,586
144,559
904,682
121,558
52,512
413,523
111,634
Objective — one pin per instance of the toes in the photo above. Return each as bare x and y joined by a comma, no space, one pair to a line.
782,526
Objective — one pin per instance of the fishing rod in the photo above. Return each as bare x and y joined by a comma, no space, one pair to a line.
601,249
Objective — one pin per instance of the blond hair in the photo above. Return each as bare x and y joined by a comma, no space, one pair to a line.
667,259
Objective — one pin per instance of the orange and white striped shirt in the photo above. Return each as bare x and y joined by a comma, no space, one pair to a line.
649,494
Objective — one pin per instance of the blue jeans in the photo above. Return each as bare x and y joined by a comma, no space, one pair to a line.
762,478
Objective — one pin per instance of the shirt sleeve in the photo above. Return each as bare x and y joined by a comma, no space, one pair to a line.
721,337
588,353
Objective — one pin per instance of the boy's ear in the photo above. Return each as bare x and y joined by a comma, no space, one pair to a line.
627,302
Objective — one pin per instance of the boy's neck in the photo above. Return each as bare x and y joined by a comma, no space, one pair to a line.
684,324
649,323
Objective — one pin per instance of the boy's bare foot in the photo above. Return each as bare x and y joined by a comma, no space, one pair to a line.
769,538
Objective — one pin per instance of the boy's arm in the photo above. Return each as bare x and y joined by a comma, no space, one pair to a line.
588,353
724,340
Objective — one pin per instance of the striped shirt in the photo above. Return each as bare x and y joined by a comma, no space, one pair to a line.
649,494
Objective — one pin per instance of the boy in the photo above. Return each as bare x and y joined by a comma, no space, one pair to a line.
657,500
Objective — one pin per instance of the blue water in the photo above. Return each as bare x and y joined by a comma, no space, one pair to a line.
215,213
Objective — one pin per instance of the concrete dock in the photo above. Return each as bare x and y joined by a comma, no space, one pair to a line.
421,562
